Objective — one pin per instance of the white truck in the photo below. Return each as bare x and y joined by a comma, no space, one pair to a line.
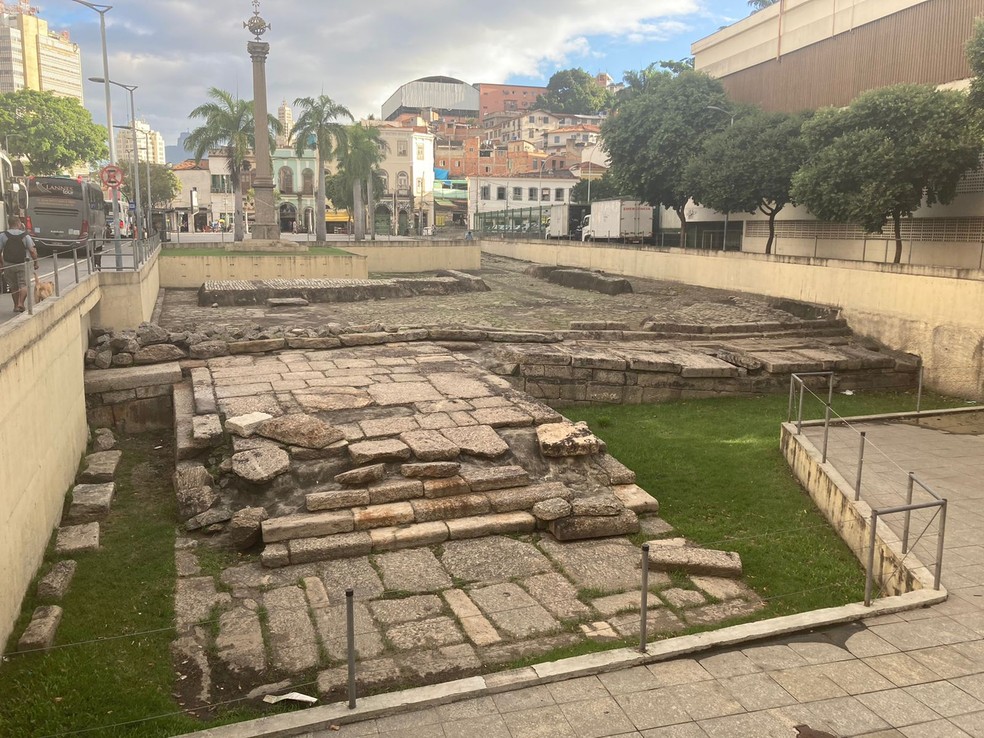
565,220
618,220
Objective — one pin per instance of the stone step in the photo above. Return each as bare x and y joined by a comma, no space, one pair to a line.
392,538
670,555
186,444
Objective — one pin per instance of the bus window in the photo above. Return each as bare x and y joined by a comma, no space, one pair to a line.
64,213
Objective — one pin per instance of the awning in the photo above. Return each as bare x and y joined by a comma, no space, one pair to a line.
340,216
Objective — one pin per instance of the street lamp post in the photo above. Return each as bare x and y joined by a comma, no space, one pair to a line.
138,214
102,10
150,198
727,214
539,198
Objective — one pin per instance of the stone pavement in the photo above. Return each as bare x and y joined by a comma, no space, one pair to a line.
917,674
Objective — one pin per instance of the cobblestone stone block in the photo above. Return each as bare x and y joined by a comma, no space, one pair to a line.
41,631
325,548
408,536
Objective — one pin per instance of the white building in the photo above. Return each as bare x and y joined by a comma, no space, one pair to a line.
286,117
408,179
150,144
517,202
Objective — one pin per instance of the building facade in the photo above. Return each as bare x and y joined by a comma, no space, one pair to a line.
407,202
286,117
517,203
33,57
495,98
150,144
447,96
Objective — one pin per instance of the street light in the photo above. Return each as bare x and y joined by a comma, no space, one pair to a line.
150,198
727,214
138,214
102,10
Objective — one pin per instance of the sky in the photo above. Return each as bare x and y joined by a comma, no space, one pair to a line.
359,51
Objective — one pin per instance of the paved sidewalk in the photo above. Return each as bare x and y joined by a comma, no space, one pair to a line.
918,674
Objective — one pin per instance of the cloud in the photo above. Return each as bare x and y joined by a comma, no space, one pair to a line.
356,52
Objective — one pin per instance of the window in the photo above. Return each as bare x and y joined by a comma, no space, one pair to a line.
556,139
457,162
486,192
420,151
442,164
307,182
559,194
488,170
402,180
384,179
517,193
220,183
285,181
532,119
545,194
401,148
532,194
500,193
545,119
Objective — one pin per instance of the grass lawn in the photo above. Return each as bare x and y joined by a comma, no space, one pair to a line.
716,469
313,251
714,465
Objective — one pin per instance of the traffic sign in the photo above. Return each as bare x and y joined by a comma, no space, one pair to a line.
111,176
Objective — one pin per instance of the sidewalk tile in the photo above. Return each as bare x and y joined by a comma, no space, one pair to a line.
539,722
901,669
758,724
681,671
847,716
478,707
855,677
573,690
705,700
972,723
653,709
684,730
596,718
947,661
770,658
537,696
757,691
624,681
935,729
732,663
945,698
897,708
487,726
807,684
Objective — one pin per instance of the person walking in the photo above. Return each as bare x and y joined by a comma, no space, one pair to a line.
15,247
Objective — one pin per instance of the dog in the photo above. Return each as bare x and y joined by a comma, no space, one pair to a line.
43,290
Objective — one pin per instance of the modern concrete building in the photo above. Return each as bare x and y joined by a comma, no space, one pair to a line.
150,144
446,96
33,57
286,117
804,54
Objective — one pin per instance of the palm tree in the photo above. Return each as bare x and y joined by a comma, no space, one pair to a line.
364,150
318,126
228,125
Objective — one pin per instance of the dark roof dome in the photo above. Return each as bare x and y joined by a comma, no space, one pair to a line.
439,78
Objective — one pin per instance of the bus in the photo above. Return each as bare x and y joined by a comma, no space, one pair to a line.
64,213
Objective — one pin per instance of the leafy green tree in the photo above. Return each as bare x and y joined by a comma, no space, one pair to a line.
975,56
164,185
660,122
761,4
317,127
749,166
603,188
362,153
575,92
228,125
52,133
891,151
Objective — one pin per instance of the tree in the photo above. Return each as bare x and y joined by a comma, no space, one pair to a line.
228,125
603,188
659,124
163,184
761,4
749,166
891,151
318,128
52,133
363,151
975,57
575,92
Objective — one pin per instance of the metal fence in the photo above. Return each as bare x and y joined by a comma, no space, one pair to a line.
70,262
937,503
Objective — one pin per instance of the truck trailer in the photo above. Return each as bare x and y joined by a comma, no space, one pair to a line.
618,220
565,220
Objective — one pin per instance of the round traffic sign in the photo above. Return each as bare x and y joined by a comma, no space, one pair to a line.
111,175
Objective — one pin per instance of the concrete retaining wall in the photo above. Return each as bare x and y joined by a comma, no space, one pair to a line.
180,270
934,312
407,257
834,497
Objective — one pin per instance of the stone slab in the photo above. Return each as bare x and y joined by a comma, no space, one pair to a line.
493,559
395,490
382,516
91,502
425,634
307,526
557,440
430,470
336,499
239,643
40,633
370,452
72,538
406,609
480,440
56,582
482,479
326,548
449,487
476,626
260,465
412,570
491,524
447,508
114,380
636,499
206,429
291,633
693,560
513,611
430,445
594,526
408,536
100,467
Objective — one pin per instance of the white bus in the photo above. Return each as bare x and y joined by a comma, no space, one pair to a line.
65,213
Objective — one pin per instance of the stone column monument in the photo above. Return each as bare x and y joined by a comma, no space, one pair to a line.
266,226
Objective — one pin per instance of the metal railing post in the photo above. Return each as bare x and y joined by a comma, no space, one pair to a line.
28,282
908,515
870,569
826,431
54,261
799,416
939,546
644,608
830,388
857,479
75,260
919,389
789,410
350,633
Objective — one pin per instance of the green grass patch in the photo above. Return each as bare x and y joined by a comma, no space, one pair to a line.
313,251
716,469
